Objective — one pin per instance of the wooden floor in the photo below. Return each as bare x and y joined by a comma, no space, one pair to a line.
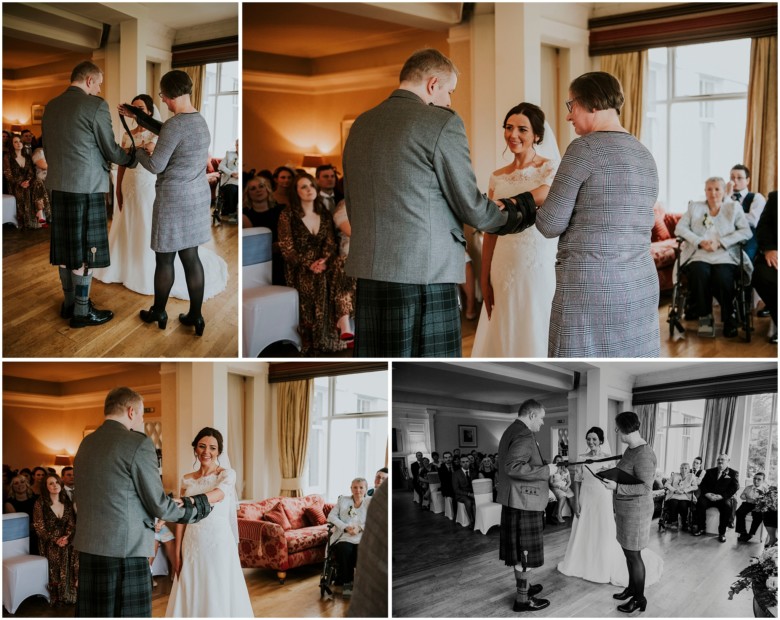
32,295
299,597
695,583
691,346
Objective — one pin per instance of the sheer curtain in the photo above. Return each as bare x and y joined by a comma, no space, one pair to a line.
647,416
718,429
761,130
629,68
197,75
293,408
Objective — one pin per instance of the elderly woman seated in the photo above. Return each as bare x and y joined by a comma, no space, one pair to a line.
713,229
560,485
679,496
349,517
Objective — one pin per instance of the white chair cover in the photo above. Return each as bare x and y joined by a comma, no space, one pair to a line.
448,510
9,211
160,564
712,521
462,518
270,313
487,512
437,499
482,486
24,575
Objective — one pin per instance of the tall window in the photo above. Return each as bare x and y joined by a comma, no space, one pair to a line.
678,429
695,116
348,432
220,105
762,435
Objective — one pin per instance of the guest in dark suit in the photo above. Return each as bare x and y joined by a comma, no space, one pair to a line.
409,189
446,471
717,487
765,274
119,495
461,485
523,491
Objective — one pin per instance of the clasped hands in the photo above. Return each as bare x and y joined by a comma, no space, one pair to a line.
353,530
319,265
713,497
710,245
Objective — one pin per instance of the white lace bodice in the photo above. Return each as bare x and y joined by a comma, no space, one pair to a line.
139,174
218,519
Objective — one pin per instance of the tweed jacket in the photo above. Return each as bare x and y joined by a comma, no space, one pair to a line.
409,188
726,486
80,143
119,493
461,485
523,477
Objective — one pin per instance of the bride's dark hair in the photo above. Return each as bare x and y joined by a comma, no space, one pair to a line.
208,432
533,113
597,431
148,102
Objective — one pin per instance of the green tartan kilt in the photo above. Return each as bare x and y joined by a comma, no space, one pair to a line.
78,225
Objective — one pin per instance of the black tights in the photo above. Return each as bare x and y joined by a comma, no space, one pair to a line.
193,273
636,573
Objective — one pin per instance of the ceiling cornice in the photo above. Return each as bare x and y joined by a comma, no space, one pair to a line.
84,400
44,81
348,81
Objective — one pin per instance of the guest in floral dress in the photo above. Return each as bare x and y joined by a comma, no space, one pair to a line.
54,520
307,240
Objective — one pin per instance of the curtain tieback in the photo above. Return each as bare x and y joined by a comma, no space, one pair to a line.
291,483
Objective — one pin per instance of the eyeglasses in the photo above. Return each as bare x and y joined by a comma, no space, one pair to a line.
162,96
569,104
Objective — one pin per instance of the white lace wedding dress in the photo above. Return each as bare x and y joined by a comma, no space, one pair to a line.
523,277
132,258
593,552
211,583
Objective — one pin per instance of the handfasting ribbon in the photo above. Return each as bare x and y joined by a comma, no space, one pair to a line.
590,461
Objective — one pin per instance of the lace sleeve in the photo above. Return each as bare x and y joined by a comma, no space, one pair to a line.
226,482
548,172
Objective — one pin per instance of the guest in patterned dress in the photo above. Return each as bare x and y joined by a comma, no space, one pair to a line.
19,171
633,507
54,521
601,205
307,239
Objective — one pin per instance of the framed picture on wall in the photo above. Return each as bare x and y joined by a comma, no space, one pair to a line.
36,113
467,436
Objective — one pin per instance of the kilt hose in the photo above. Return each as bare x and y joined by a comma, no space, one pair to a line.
406,320
78,224
113,587
521,530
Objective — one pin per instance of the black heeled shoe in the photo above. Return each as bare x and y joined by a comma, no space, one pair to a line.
622,596
152,314
199,324
633,605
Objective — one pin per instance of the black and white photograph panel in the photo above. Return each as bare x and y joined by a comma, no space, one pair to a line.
195,490
584,489
120,186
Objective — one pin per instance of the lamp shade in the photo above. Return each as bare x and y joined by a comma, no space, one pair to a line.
312,161
62,459
16,128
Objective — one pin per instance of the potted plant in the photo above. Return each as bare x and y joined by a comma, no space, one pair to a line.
761,576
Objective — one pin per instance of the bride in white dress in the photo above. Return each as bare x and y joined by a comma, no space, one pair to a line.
209,582
518,271
593,552
132,258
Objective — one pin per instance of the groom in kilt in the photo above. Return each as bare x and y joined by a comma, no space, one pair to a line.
118,496
80,147
522,490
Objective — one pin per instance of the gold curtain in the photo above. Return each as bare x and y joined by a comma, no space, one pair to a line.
197,75
761,132
629,68
293,403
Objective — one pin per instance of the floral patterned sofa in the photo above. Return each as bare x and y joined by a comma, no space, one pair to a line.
278,533
663,243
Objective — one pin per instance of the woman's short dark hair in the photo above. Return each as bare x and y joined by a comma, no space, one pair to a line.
209,432
534,114
627,422
597,431
295,201
175,84
557,456
43,469
46,496
598,90
148,102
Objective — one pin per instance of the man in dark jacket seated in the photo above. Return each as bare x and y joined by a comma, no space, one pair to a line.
717,487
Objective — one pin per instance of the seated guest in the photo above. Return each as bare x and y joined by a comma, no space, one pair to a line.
679,495
765,274
68,481
282,178
162,534
461,484
718,486
381,476
22,499
55,524
38,480
307,240
229,183
425,469
446,469
349,517
473,466
29,142
260,209
40,197
752,203
551,511
19,171
749,497
560,485
713,229
486,468
435,462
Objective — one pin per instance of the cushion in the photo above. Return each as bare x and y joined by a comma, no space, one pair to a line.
671,219
663,253
295,507
278,516
314,515
305,538
250,511
660,231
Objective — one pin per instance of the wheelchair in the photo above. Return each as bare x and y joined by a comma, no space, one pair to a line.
328,575
743,295
665,521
